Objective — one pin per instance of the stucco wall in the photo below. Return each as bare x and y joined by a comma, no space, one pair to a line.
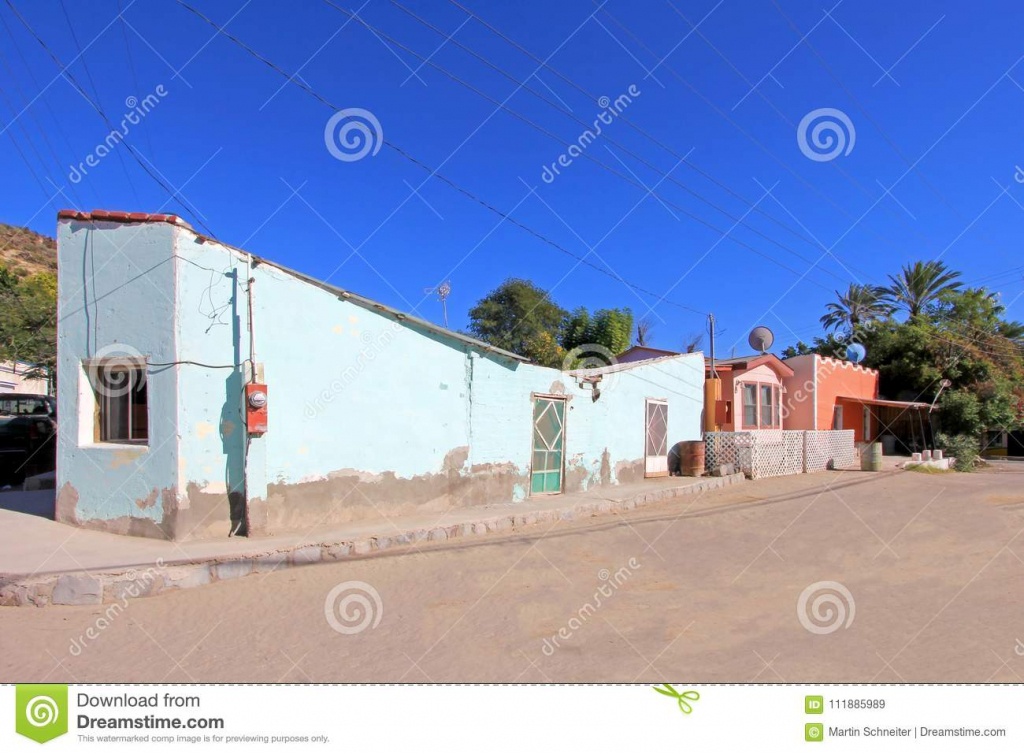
369,417
817,383
116,288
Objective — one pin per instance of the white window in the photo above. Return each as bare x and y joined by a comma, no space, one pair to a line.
121,409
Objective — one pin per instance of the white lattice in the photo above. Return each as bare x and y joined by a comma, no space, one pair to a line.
767,453
830,449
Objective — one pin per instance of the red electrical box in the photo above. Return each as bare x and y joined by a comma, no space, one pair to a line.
255,408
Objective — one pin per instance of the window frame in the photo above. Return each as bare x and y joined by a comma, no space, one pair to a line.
774,408
103,415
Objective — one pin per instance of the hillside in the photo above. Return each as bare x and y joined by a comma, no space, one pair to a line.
24,251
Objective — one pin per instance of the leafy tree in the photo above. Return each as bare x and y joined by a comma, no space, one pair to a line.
28,308
919,284
608,328
520,317
860,305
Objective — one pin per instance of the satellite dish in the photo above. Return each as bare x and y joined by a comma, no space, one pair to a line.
761,338
855,352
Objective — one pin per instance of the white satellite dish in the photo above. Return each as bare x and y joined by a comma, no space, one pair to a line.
761,338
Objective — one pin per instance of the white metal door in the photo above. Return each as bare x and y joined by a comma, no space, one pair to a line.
656,439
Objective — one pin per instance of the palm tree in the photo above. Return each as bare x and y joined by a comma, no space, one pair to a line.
920,284
858,306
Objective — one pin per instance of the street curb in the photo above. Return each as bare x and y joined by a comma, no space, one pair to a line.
96,587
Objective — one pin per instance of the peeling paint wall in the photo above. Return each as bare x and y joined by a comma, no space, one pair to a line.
116,289
369,418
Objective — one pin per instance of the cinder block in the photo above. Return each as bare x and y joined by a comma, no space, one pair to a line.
79,589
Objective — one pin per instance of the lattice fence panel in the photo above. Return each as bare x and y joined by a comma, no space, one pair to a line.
829,449
777,453
728,447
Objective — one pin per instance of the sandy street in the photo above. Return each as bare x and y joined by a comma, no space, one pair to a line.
698,590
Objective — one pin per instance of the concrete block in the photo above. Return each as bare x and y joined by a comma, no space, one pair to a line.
304,555
438,535
124,589
937,455
272,562
420,535
405,538
338,551
500,524
382,543
466,530
362,547
186,577
529,519
479,529
233,569
79,589
567,515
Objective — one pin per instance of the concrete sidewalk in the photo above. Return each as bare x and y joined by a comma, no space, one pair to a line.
43,562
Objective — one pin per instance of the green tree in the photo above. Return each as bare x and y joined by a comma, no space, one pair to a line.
608,328
28,308
919,284
520,317
860,305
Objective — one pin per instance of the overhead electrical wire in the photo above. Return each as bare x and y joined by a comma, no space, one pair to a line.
632,181
444,179
98,108
778,160
561,108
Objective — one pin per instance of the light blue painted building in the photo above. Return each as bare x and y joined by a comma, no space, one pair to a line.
371,413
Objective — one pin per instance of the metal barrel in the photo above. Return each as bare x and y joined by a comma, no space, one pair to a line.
693,458
871,457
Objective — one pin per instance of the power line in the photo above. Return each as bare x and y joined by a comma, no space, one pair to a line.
434,173
588,155
95,91
835,165
96,106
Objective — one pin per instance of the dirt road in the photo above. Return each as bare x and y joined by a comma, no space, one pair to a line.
927,577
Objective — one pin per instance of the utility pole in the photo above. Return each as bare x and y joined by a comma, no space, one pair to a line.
712,385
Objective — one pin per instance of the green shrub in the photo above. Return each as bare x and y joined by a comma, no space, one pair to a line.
964,448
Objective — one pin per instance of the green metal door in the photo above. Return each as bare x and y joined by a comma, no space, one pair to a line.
548,441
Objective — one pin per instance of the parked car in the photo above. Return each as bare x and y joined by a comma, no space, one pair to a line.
28,436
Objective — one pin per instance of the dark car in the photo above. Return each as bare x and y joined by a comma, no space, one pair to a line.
28,436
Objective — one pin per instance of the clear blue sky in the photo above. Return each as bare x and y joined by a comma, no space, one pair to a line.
934,91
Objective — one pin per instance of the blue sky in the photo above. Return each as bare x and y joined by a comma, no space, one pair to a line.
747,226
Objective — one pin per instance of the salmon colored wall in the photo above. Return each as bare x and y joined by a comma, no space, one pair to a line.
837,378
816,383
798,404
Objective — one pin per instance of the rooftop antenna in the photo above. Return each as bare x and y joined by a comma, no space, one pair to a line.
443,291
